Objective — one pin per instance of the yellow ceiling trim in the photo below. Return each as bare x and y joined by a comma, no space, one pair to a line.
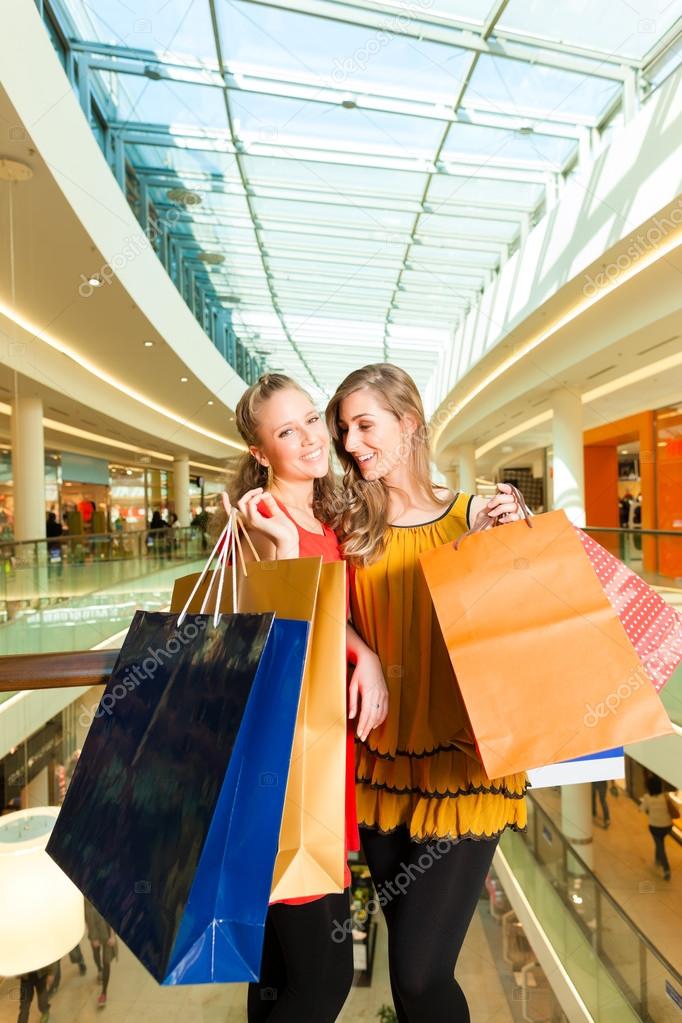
102,374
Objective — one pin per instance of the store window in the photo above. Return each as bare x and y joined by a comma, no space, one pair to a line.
668,432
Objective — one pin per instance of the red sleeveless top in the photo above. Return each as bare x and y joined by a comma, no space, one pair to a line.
326,545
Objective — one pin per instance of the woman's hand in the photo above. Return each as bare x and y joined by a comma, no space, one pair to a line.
503,506
367,683
261,513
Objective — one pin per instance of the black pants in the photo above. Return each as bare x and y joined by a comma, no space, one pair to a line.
103,954
307,966
75,956
31,982
599,789
658,835
428,892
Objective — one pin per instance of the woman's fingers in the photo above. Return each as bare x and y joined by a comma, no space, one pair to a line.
353,697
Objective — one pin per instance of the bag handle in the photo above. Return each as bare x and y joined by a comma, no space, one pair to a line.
228,543
484,521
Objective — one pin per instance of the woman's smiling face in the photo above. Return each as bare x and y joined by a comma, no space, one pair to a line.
293,437
373,435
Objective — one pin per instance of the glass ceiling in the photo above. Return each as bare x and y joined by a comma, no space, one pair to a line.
364,175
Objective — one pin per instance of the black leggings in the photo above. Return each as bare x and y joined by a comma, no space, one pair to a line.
307,965
428,892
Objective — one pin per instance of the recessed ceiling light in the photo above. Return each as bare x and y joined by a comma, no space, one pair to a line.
149,344
183,380
209,402
348,104
95,281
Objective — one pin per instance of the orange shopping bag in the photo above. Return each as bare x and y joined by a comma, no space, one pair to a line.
546,670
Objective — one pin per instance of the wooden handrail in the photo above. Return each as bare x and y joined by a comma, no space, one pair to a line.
24,672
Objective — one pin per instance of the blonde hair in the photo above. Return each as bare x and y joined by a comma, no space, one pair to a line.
363,519
250,473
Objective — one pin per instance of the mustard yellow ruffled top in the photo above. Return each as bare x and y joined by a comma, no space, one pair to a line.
420,767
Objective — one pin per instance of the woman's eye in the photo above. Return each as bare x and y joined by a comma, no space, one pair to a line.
314,419
284,433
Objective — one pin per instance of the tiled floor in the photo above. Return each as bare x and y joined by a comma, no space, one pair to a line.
623,859
134,997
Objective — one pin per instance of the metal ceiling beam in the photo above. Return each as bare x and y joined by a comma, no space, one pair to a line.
439,29
481,209
260,83
212,141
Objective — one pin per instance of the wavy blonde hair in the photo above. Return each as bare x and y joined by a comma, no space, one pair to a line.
362,518
250,473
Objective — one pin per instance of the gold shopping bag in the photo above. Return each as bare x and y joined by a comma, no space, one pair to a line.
311,855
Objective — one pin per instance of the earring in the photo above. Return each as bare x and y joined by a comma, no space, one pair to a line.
271,477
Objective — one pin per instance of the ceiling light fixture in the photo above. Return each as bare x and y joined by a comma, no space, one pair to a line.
184,196
149,344
183,380
95,281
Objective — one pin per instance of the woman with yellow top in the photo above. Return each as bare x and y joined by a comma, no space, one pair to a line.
430,818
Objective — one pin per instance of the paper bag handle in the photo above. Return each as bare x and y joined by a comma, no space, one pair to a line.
227,544
483,520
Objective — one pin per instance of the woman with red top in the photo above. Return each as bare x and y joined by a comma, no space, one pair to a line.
285,493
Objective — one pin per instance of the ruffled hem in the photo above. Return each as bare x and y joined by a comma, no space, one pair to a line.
483,814
449,747
454,839
447,774
472,790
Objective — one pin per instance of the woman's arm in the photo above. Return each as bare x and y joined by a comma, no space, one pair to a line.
367,682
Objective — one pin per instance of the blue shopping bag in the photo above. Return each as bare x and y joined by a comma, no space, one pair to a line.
171,822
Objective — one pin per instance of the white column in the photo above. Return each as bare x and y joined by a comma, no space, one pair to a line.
569,482
467,468
28,467
181,489
576,821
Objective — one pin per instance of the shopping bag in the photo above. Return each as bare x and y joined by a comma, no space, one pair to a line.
171,822
653,627
311,857
544,665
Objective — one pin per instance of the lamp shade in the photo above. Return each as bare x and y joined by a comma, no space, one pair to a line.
42,915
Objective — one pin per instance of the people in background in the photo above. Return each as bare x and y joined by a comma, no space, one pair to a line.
104,947
658,807
30,983
599,791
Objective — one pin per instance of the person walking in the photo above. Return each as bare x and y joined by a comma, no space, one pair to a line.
599,790
104,948
430,818
34,981
285,492
657,805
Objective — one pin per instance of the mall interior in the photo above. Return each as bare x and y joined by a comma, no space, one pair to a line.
487,193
